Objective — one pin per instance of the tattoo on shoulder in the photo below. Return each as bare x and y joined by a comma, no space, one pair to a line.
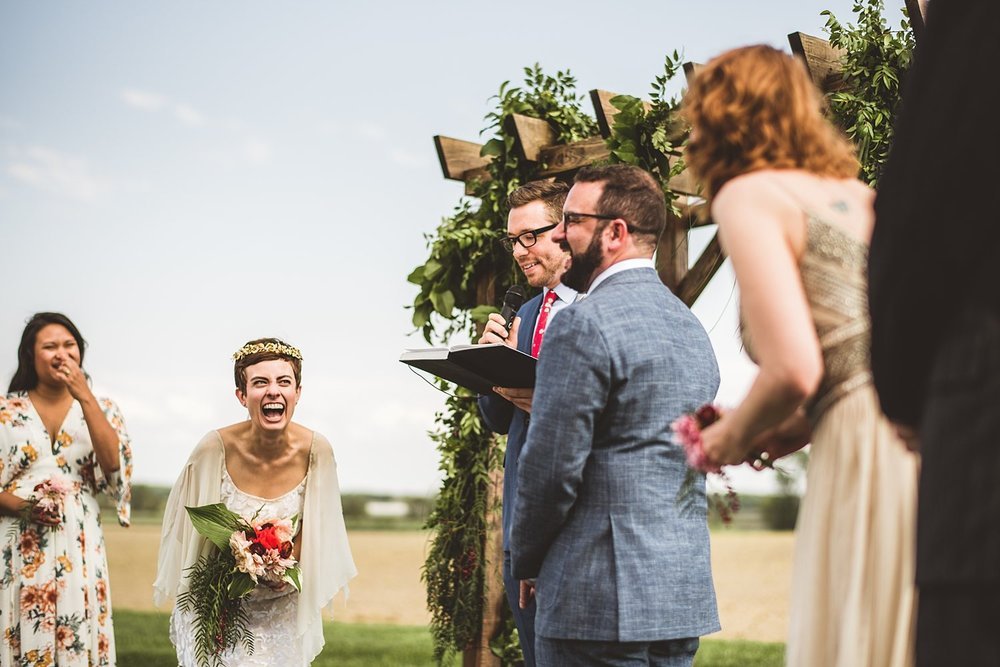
840,206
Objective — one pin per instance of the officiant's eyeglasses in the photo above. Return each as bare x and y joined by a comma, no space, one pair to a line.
526,239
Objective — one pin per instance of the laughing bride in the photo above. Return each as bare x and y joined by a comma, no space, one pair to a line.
266,467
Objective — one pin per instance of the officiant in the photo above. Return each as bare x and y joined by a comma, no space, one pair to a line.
535,211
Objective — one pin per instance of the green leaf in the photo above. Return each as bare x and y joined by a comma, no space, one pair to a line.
239,585
493,147
444,302
432,269
215,522
416,276
292,575
480,314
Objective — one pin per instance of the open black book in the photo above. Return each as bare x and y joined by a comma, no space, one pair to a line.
476,367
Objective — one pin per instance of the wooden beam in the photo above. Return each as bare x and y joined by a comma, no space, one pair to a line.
690,69
531,135
822,60
605,112
672,252
481,174
694,212
457,156
570,157
684,182
917,11
696,280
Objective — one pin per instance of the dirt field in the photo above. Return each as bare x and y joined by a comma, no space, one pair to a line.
752,576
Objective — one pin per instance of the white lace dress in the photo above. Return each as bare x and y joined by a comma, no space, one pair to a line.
272,613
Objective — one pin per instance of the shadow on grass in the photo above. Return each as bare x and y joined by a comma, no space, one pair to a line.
142,640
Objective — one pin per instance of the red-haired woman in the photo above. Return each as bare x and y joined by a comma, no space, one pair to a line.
796,223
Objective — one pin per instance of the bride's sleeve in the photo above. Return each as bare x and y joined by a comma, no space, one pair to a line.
180,545
327,563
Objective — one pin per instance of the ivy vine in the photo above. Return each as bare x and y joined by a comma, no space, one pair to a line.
649,135
875,63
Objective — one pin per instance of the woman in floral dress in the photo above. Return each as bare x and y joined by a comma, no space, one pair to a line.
59,447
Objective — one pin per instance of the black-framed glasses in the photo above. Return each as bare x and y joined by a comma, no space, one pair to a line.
526,239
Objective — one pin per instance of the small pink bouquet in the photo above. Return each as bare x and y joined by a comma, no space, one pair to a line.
687,430
247,553
47,498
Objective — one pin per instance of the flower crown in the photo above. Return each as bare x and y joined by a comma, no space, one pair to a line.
273,348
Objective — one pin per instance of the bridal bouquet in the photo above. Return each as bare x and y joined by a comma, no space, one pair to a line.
47,497
248,552
687,431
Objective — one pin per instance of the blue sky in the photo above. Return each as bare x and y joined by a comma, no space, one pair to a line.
181,177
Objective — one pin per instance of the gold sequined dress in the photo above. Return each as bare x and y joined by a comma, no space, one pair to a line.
853,600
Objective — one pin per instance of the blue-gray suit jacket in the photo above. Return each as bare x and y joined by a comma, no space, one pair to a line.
596,517
502,417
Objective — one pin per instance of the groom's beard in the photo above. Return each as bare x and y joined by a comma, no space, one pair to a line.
581,269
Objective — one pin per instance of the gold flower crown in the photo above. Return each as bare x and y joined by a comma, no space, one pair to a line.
274,348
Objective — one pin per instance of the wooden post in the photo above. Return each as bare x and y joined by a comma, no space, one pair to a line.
480,655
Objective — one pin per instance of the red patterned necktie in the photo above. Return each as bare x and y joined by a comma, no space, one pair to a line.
543,318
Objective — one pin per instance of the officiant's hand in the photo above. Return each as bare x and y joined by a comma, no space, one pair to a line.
527,593
519,397
496,332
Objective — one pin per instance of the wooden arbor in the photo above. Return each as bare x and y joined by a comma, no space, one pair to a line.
536,142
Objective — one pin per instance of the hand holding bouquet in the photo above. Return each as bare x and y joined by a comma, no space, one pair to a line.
687,431
45,505
247,553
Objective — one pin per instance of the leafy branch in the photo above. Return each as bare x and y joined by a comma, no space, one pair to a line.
875,63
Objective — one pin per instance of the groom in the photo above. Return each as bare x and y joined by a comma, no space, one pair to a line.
623,577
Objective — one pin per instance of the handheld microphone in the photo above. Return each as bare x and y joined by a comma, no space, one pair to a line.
512,302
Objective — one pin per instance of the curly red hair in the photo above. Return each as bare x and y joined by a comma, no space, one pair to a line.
754,108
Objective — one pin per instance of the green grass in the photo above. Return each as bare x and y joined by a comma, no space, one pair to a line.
142,641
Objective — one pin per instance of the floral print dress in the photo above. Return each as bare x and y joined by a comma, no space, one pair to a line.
55,600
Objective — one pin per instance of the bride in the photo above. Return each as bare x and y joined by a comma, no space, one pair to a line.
267,466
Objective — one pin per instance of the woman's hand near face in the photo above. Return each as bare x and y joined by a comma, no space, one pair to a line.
72,376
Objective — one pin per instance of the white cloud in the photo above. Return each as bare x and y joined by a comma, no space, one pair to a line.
143,100
407,159
370,130
188,115
380,136
57,173
257,151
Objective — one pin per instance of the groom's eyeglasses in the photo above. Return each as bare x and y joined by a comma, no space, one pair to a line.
570,218
526,239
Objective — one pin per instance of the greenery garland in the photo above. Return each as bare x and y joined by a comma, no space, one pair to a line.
464,253
874,64
649,136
